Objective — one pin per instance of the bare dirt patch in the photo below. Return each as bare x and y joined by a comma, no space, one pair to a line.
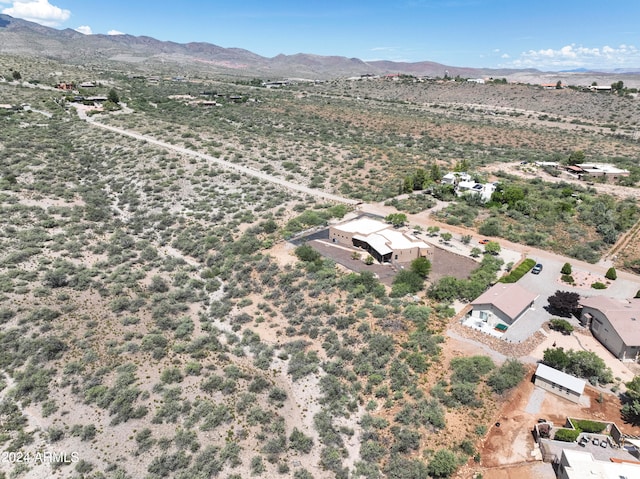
512,442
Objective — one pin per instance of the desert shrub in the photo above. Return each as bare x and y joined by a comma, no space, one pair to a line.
561,325
598,285
298,441
566,268
257,466
406,282
302,364
506,376
470,369
165,464
443,463
566,435
171,375
400,467
567,278
306,253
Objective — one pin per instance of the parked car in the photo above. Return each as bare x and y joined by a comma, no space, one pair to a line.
483,241
603,444
595,441
537,269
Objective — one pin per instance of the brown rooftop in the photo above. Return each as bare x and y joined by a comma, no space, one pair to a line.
624,316
510,298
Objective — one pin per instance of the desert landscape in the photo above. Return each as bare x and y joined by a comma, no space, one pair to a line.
171,304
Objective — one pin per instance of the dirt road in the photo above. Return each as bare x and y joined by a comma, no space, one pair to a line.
322,195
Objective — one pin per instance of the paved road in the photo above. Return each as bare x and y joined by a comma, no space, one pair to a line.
323,195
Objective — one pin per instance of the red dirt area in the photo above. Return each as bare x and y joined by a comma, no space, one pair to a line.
509,447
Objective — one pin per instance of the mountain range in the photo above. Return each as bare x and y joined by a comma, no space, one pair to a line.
142,53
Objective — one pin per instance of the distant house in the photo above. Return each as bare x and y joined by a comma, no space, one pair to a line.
503,303
600,88
559,383
87,84
616,324
484,190
65,86
385,243
602,170
453,178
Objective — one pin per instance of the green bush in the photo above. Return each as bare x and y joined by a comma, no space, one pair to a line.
567,278
611,274
599,285
506,376
584,425
567,435
443,463
517,273
566,269
561,325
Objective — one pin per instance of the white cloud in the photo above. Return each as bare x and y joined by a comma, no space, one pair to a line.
578,56
86,29
38,11
383,49
505,56
115,32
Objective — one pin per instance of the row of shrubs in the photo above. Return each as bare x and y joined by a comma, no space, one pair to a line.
518,272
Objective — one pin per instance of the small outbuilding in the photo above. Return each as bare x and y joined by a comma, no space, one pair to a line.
559,383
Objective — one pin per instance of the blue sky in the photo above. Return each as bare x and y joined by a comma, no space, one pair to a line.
548,35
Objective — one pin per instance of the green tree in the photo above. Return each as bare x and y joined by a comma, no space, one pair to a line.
433,230
306,253
492,247
16,75
631,407
491,227
555,358
396,219
506,376
565,302
442,464
435,172
113,97
421,266
406,282
611,274
576,157
566,268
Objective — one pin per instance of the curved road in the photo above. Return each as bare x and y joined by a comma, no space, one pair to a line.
226,164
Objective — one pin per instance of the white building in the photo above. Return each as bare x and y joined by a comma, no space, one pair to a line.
484,190
385,243
582,465
452,178
559,383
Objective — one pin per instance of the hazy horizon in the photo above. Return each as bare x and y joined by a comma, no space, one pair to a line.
550,36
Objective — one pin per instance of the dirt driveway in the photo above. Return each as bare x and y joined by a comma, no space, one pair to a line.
512,443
